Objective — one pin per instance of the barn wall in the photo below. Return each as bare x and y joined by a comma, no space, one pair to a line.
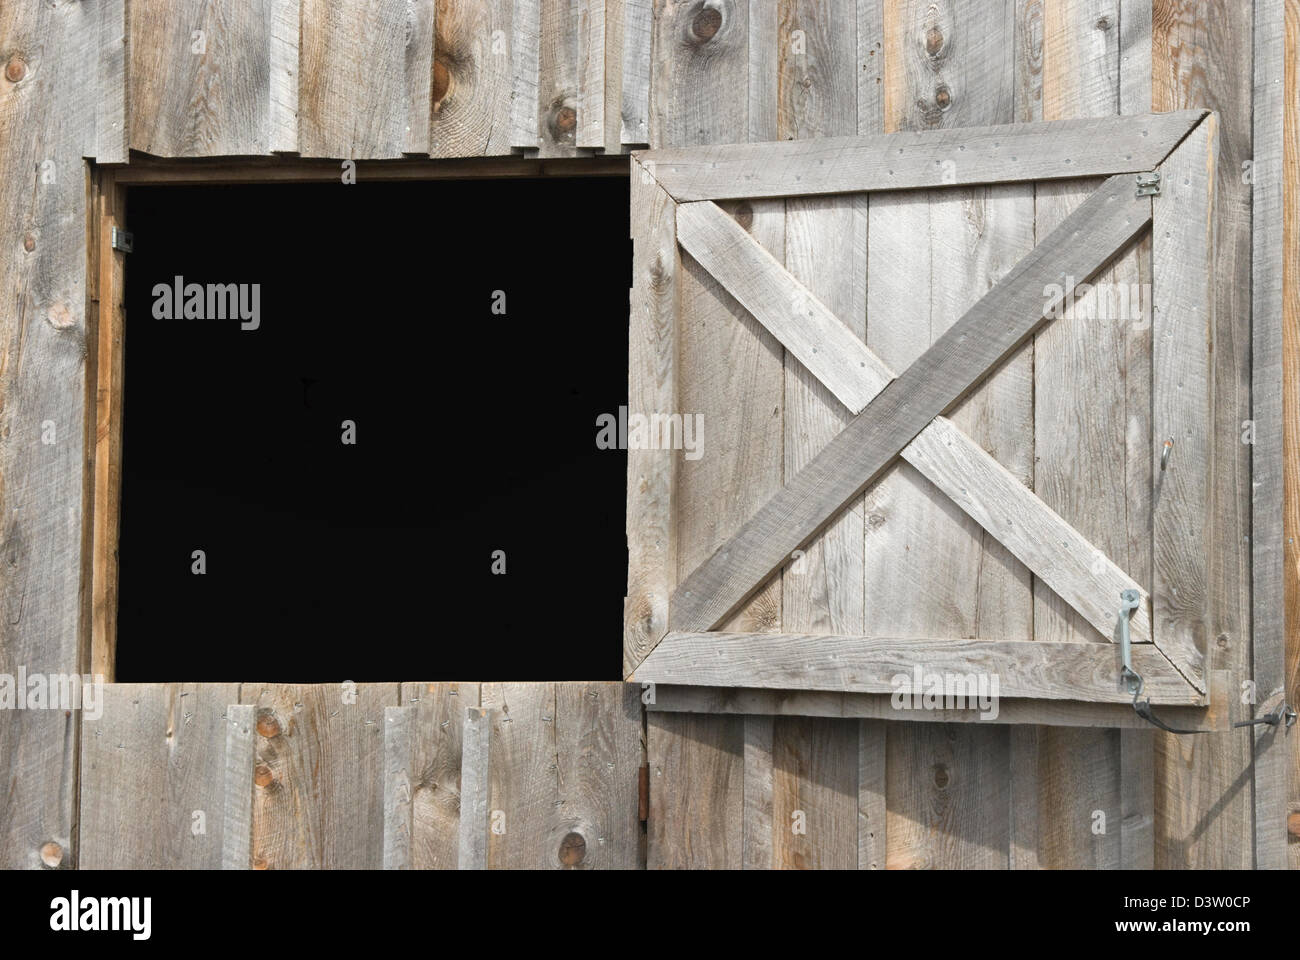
386,78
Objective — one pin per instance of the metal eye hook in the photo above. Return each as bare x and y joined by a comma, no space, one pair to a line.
1164,454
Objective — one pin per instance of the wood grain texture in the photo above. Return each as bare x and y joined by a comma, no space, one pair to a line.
561,41
319,803
758,828
47,124
397,787
526,23
871,67
1182,399
1024,668
215,79
237,788
946,63
473,78
353,82
816,55
814,793
436,745
590,92
948,797
879,706
957,362
112,135
909,160
652,388
1275,308
475,788
107,364
697,791
155,769
638,31
565,762
1203,804
725,353
701,66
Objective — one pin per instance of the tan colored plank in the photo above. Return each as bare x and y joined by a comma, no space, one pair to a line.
697,781
816,53
319,801
473,79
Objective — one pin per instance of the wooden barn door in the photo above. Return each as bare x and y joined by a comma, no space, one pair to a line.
781,307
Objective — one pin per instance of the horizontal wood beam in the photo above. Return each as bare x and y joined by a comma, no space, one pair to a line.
1035,669
991,495
670,698
957,362
960,156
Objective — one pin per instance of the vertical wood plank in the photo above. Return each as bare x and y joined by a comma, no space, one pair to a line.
353,84
47,124
564,775
1028,59
652,388
213,79
1137,790
436,747
418,75
726,355
815,793
525,47
111,131
872,813
615,10
764,70
871,67
237,805
948,797
397,787
1183,398
1203,817
947,64
700,82
1275,308
319,802
591,74
475,788
758,823
697,787
473,79
638,31
1023,819
561,35
817,55
158,767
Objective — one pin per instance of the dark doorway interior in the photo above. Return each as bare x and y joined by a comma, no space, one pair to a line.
475,432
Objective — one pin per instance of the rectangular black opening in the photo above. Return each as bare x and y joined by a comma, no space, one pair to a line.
475,431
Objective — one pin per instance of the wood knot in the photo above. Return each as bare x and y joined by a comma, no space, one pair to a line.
60,317
267,725
259,863
573,849
262,775
940,775
441,82
563,121
706,24
933,41
943,97
29,243
745,216
51,854
15,69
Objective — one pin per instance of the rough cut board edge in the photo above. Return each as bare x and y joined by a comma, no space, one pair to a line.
1008,153
1033,669
671,698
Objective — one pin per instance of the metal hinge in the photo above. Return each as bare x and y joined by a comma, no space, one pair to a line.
123,240
1148,184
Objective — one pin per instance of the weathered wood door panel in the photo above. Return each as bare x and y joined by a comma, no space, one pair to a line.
898,463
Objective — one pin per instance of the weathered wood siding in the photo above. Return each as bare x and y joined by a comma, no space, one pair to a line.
468,78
